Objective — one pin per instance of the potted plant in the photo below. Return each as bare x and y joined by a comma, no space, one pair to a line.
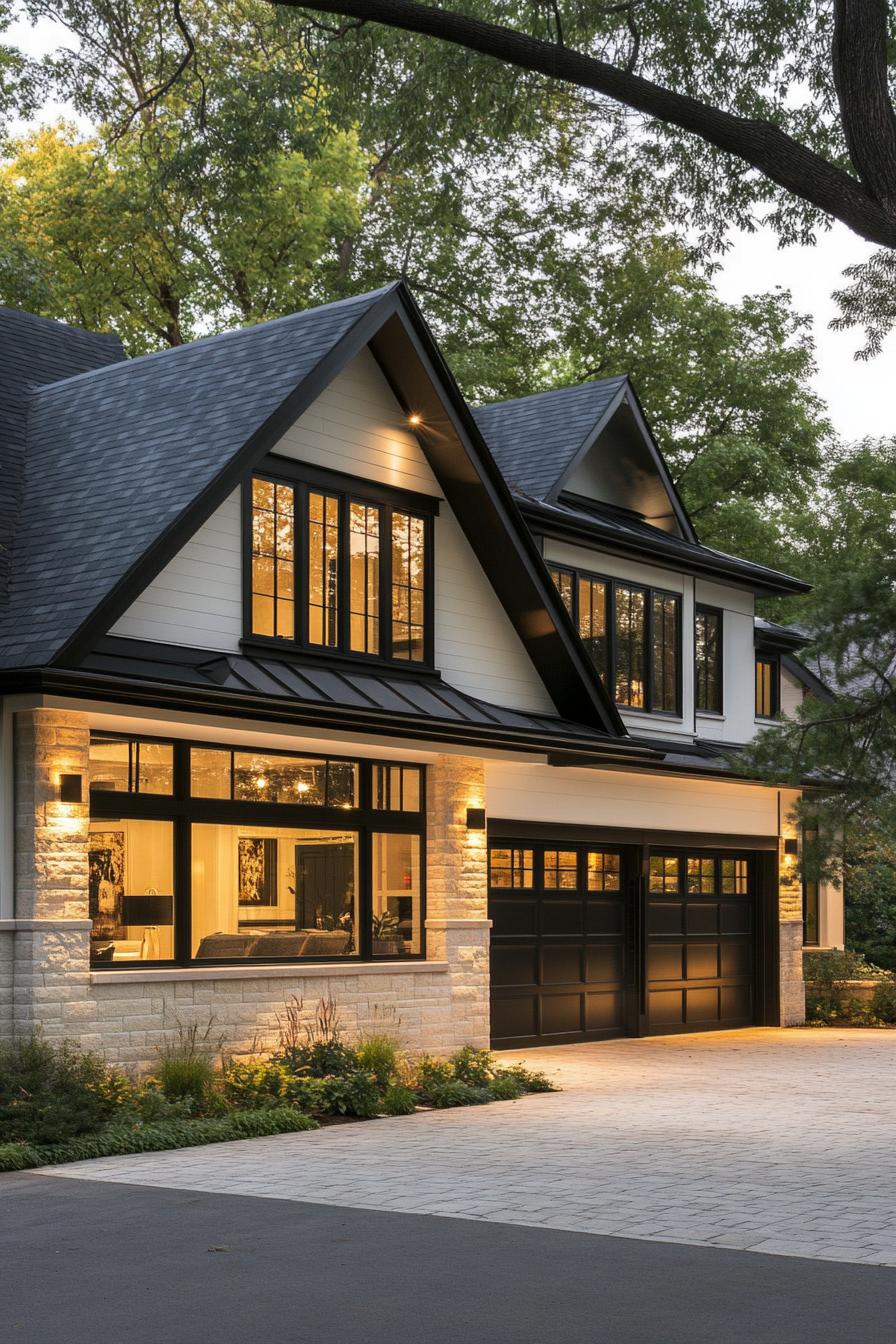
387,941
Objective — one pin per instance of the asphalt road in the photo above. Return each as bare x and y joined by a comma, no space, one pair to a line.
85,1262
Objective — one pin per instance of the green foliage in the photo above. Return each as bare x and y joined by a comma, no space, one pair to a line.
476,1067
378,1054
351,1094
453,1092
322,1059
122,1139
505,1088
185,1066
254,1083
833,967
883,1001
399,1100
529,1080
52,1092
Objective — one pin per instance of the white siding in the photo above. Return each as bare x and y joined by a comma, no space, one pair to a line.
542,793
357,427
196,600
791,694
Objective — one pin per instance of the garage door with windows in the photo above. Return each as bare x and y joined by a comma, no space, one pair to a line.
700,933
558,951
593,941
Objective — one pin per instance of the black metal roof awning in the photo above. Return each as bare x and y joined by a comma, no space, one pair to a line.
327,693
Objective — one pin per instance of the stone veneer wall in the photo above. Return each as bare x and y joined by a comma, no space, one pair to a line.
792,989
47,984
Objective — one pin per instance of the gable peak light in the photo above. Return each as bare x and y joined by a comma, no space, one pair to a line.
415,419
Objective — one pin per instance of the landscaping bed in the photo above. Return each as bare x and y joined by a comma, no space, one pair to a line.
845,990
61,1104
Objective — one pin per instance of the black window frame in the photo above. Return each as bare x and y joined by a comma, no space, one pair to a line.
701,609
304,479
184,810
650,591
773,661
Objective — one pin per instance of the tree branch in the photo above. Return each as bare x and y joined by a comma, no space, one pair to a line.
861,79
760,144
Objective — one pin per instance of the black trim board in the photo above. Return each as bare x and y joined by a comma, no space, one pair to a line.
500,828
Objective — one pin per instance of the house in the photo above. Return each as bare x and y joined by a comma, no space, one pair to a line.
318,683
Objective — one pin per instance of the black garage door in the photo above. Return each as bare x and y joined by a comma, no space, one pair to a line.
558,948
700,935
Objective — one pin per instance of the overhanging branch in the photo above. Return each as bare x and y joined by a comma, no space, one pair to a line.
760,144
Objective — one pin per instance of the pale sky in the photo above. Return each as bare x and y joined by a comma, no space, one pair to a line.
859,393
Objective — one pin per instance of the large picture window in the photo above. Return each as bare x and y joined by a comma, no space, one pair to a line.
330,570
708,660
264,855
632,635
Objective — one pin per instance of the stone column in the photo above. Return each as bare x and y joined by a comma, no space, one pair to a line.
790,921
51,965
457,923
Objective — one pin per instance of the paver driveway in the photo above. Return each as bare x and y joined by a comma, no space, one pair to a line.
767,1140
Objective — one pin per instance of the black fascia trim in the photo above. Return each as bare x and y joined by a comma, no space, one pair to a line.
740,573
779,640
628,394
507,829
202,506
657,765
807,678
195,699
483,488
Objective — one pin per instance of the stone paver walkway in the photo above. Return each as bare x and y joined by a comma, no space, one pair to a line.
763,1140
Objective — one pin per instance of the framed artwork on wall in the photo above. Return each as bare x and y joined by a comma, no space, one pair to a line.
257,871
106,883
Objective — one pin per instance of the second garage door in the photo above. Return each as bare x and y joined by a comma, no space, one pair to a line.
700,941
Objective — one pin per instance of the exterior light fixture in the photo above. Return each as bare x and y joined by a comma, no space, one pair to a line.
415,419
70,789
792,847
475,818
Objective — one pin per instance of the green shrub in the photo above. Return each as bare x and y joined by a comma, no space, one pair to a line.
475,1067
431,1072
121,1139
823,1008
352,1094
318,1059
883,1002
399,1101
830,968
377,1054
455,1093
52,1092
505,1088
255,1083
528,1079
309,1094
882,957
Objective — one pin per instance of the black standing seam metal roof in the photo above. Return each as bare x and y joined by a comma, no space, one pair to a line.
117,454
535,439
391,698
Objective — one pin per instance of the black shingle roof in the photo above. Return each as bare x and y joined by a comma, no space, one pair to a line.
534,439
34,350
117,455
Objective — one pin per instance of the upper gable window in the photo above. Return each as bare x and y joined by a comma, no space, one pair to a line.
333,570
632,635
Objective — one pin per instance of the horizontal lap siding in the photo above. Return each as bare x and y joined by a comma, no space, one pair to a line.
196,600
614,798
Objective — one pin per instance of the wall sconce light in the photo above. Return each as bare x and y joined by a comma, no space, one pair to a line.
70,789
792,847
475,818
415,419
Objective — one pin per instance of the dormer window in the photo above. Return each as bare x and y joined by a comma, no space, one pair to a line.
340,570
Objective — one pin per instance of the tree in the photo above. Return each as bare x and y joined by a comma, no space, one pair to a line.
848,744
744,106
